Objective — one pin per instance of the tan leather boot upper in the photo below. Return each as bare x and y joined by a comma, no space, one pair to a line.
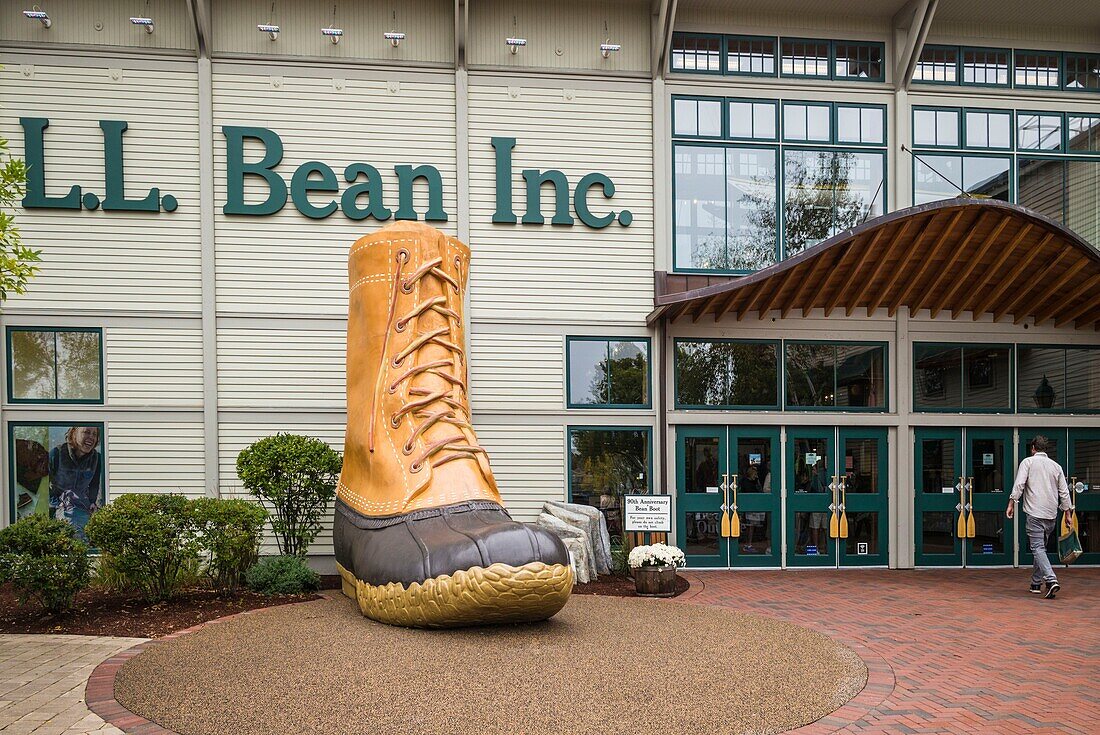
409,443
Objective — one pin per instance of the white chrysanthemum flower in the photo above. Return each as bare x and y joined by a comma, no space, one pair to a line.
656,555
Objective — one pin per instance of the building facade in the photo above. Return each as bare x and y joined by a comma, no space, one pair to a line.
844,252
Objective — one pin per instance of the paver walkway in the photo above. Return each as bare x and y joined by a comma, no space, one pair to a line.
971,651
42,680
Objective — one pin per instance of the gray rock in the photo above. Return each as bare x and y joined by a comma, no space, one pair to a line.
595,525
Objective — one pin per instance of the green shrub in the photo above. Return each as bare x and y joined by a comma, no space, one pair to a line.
231,531
44,561
282,575
108,577
296,477
620,552
151,541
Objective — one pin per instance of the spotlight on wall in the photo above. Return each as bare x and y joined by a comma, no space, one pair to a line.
147,23
515,43
40,15
334,34
606,48
271,30
394,37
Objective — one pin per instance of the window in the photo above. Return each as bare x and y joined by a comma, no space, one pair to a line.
696,53
943,176
805,58
752,120
807,122
1083,133
604,465
1082,72
827,192
1038,131
55,365
1058,379
726,374
1038,69
856,124
938,64
835,375
607,372
702,118
936,128
750,55
1066,190
987,129
985,66
858,61
976,378
57,471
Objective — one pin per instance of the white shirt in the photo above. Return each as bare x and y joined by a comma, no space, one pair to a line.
1042,483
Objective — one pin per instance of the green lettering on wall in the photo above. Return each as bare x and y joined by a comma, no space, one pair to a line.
406,176
236,169
535,179
34,150
580,200
372,187
503,148
114,199
301,184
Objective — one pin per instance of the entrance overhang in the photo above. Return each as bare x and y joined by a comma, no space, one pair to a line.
959,256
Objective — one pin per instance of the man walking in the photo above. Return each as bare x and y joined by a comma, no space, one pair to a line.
1042,484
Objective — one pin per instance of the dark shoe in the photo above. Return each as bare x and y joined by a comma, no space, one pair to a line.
1036,589
1052,590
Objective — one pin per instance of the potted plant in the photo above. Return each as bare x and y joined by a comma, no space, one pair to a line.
654,568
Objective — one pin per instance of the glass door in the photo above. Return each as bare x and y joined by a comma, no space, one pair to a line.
937,466
701,463
812,525
990,475
753,455
1084,465
1057,452
864,496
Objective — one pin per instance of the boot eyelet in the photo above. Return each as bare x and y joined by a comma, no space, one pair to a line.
406,449
400,325
406,287
402,256
416,466
392,389
396,362
458,262
395,422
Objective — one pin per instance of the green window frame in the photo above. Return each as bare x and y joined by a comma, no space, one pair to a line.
862,109
647,401
934,58
1076,66
1091,133
803,53
869,53
1036,69
792,105
990,115
940,116
690,105
1042,116
1058,388
676,365
977,60
757,113
646,466
752,49
928,386
929,159
884,358
684,52
11,340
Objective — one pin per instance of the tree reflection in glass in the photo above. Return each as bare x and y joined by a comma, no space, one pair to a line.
827,192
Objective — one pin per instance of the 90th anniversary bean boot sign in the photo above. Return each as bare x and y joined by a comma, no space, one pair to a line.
421,535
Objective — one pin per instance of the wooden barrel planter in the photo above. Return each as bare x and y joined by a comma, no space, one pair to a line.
655,581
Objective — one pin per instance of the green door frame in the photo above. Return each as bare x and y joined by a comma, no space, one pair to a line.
1059,454
928,500
857,503
808,493
747,550
990,496
706,504
1088,502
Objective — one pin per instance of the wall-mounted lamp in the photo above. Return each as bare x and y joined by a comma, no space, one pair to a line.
147,23
334,34
271,30
394,37
515,43
1044,394
40,15
606,48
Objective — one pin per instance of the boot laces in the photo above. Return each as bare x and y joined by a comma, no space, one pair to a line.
430,407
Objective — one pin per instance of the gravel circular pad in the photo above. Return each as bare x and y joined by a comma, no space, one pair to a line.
601,665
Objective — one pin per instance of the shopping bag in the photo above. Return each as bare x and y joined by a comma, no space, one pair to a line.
1069,546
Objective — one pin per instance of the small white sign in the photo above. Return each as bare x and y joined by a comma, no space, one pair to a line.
713,489
648,513
947,489
861,547
755,459
987,459
811,458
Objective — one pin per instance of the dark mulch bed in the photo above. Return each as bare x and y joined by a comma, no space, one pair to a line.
124,614
614,585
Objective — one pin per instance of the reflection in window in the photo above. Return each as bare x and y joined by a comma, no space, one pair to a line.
938,532
697,117
805,58
604,465
985,66
835,375
754,465
827,192
752,120
941,177
1083,71
936,128
938,469
750,208
1058,379
1086,468
608,372
955,378
861,465
1039,132
1064,190
938,64
55,365
858,61
726,373
862,534
750,55
701,464
987,372
860,124
988,129
806,122
1083,380
696,53
1035,69
58,472
1083,133
701,530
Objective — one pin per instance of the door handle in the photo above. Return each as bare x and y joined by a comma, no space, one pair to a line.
843,502
834,520
725,506
735,520
970,530
960,529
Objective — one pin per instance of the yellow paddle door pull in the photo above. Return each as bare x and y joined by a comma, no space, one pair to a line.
834,520
960,531
843,512
735,520
725,506
970,530
1071,518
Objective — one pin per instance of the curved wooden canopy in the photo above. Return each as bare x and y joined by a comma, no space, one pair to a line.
976,256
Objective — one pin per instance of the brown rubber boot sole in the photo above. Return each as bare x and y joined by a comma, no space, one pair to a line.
498,593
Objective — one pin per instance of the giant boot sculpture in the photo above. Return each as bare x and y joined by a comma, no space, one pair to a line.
420,534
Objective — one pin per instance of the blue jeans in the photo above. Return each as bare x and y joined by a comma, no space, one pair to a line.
1038,531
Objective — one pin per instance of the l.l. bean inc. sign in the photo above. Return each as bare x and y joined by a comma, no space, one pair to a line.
314,188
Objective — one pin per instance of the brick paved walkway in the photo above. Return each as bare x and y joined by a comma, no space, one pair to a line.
42,683
971,651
